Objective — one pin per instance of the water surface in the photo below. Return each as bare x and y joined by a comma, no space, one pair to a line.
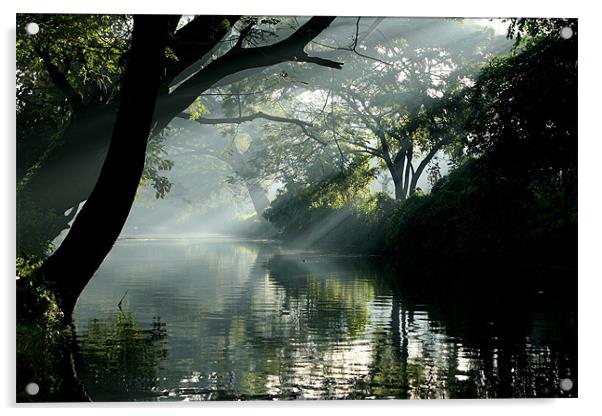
225,319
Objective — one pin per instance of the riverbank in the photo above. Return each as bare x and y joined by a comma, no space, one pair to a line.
45,342
472,218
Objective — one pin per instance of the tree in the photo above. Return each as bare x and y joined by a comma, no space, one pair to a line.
257,134
98,225
72,162
95,230
514,202
400,99
251,164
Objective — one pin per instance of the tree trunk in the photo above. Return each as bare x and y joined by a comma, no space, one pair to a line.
424,163
101,219
396,172
67,179
407,173
414,182
399,190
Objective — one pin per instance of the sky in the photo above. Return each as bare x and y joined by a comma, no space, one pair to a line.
496,24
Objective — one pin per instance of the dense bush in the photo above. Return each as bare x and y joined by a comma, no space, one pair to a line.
475,217
472,217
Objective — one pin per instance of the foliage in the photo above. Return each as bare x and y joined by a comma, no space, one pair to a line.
197,109
155,162
338,211
34,226
514,202
42,115
401,99
40,322
86,50
524,118
474,217
529,27
35,300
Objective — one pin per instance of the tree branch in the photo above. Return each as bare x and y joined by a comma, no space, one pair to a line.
242,119
60,80
235,60
367,150
238,120
319,61
427,159
244,32
356,40
194,40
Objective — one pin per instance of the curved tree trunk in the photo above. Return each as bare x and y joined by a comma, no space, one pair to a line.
67,177
101,219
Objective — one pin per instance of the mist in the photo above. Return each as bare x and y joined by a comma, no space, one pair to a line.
277,207
209,177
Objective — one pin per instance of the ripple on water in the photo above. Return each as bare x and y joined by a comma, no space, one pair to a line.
226,319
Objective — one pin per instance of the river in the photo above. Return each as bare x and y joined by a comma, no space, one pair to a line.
220,318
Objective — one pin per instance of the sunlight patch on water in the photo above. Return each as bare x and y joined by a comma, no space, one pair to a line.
218,318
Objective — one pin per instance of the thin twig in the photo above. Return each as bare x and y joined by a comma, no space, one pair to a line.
122,298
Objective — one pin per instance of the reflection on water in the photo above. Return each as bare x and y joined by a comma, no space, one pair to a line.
121,358
222,319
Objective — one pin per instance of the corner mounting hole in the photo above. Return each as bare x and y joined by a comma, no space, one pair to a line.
32,28
566,384
32,389
566,32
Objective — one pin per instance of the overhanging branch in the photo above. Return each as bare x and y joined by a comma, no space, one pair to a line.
236,60
194,40
242,119
319,61
238,120
60,80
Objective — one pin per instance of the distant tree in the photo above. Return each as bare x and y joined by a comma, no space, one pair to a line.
254,156
402,100
324,197
401,95
515,200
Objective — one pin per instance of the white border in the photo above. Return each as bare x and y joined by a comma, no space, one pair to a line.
469,8
590,152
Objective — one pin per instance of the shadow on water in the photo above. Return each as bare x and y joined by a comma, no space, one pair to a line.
251,320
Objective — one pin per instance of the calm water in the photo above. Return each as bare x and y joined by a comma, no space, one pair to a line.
224,319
